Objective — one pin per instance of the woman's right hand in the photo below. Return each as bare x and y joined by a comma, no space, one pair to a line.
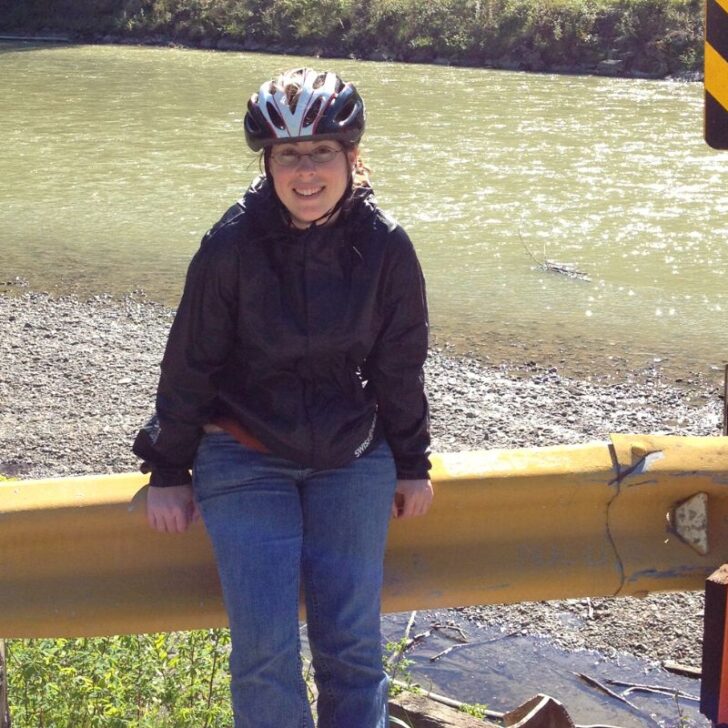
172,509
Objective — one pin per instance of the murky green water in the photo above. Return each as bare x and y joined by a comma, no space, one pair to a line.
115,160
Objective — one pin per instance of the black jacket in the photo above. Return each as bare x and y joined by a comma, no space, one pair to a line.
313,340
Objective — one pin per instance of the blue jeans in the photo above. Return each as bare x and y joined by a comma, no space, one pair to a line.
273,523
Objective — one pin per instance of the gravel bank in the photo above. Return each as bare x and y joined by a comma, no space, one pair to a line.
77,379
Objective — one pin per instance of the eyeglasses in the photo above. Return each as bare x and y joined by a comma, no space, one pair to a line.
291,158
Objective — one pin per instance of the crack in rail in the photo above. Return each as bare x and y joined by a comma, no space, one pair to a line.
642,465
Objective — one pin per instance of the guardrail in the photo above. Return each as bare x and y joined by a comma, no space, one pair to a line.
626,517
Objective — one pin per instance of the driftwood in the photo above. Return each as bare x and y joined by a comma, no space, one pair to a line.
451,627
471,644
396,657
419,711
679,669
429,710
659,689
607,691
442,699
554,266
540,711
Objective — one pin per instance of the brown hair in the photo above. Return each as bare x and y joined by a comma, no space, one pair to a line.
361,176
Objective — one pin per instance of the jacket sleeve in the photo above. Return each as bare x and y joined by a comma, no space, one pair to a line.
395,365
198,347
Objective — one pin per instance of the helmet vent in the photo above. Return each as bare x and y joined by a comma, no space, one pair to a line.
292,94
346,110
275,117
319,81
312,113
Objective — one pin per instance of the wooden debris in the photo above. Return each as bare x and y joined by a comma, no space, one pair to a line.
461,636
449,702
637,687
447,651
607,691
396,657
541,711
421,711
470,644
680,669
567,269
553,266
410,624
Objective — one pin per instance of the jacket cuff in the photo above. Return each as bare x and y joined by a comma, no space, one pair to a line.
413,468
167,477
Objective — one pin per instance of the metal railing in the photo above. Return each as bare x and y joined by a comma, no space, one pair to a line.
626,517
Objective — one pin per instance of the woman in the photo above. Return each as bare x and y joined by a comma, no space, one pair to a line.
292,380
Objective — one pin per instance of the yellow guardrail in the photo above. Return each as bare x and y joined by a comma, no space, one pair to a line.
629,516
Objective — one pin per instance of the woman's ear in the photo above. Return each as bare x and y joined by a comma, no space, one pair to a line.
352,155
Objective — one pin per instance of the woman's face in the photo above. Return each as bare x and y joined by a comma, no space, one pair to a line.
308,188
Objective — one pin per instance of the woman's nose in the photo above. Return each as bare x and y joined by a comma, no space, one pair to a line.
305,162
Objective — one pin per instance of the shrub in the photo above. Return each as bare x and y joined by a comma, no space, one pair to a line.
148,681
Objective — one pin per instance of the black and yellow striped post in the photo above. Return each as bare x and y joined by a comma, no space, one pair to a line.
716,73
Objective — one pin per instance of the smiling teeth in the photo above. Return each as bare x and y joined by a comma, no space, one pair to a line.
308,193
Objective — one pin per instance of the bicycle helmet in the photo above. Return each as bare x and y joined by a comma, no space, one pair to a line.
302,104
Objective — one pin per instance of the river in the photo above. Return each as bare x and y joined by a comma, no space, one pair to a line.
115,160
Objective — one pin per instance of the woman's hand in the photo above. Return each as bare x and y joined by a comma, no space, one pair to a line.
412,498
171,510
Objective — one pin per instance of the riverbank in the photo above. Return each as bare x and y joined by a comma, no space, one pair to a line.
637,38
77,379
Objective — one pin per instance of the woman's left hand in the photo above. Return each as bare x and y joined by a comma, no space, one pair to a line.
412,498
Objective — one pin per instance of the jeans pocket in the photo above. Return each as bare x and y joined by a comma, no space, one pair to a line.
221,465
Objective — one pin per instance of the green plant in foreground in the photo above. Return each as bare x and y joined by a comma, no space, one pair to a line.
477,710
397,666
146,681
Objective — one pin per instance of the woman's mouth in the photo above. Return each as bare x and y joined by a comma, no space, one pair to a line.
308,192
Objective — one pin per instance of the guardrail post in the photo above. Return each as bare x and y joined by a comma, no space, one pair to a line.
714,684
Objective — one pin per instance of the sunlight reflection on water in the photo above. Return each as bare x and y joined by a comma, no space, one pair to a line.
118,159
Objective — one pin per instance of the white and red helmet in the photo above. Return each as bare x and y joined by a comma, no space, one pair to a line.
324,107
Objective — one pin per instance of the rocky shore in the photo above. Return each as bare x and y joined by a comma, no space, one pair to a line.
77,379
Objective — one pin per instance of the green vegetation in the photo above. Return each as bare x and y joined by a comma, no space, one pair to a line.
148,681
159,680
477,710
653,37
397,667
